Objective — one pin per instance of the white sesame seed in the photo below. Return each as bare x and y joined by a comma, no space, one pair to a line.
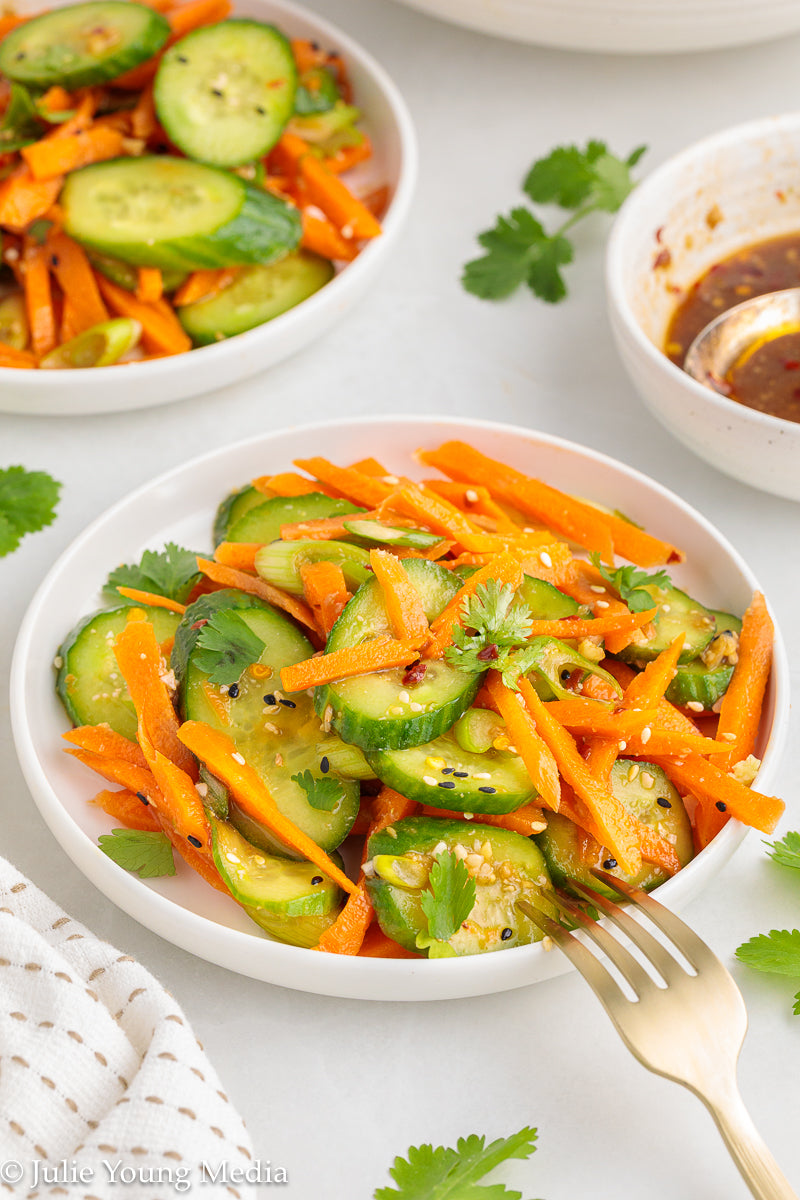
729,737
528,529
471,496
404,696
58,662
645,735
392,832
595,587
439,848
239,758
415,706
395,710
232,858
468,816
278,760
545,559
633,772
547,942
223,689
460,851
429,779
261,862
390,479
601,604
666,608
647,780
695,706
482,775
201,789
623,745
270,728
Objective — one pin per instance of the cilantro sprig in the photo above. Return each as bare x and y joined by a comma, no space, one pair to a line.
500,625
447,902
147,853
777,952
454,1173
520,250
631,584
322,791
170,572
226,647
28,502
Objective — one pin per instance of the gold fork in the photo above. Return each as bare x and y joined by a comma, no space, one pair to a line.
689,1027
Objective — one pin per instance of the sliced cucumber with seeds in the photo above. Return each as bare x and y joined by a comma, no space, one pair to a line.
545,601
232,508
279,563
257,295
678,613
377,534
695,683
276,735
161,211
224,92
659,806
443,774
380,711
89,682
343,759
83,44
262,522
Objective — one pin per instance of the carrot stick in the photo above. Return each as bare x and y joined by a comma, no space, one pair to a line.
55,100
404,608
152,599
181,806
326,592
527,820
592,720
390,806
653,848
203,284
346,934
150,286
53,156
161,330
239,555
103,740
504,569
537,756
472,500
612,821
127,808
23,198
377,945
204,867
72,270
38,298
325,190
380,654
229,577
322,237
118,770
320,528
443,517
711,787
575,627
220,755
347,157
11,357
217,703
289,483
143,115
307,54
370,466
740,711
361,489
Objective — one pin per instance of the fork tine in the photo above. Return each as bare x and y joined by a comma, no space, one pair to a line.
623,960
600,981
655,951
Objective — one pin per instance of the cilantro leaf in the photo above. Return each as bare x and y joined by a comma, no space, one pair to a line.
445,1173
630,584
447,902
513,244
227,646
501,625
149,854
565,176
19,126
786,852
323,791
544,278
28,502
169,572
777,951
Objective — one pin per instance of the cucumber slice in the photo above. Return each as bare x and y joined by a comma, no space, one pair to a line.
695,683
262,522
374,711
224,92
257,294
378,534
517,870
554,662
297,931
279,563
127,277
344,759
278,885
444,775
83,44
89,682
166,212
278,739
559,842
678,613
232,508
545,601
316,92
14,330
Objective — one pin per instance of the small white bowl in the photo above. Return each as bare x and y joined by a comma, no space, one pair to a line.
180,507
623,26
718,196
142,385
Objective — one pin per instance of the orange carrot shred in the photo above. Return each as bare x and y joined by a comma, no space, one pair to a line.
402,599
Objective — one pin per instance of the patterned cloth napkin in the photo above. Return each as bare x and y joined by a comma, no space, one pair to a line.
105,1093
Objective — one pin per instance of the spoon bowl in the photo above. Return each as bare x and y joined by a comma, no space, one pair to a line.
719,346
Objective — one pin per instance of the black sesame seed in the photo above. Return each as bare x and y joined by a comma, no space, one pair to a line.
447,783
54,260
317,879
324,764
490,791
506,934
195,841
262,112
447,770
233,691
722,806
141,796
19,57
662,800
216,92
182,58
269,698
288,704
609,864
461,774
565,676
315,45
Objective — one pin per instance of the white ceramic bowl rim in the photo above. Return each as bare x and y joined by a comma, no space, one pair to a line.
331,974
650,189
344,281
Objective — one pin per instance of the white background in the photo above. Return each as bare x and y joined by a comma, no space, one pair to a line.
333,1089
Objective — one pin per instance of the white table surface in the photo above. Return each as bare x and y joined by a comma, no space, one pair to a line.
333,1089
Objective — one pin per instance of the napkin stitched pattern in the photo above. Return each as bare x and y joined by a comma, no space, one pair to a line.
100,1068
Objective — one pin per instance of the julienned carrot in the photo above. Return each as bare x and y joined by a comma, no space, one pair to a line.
71,268
39,298
127,808
613,822
70,323
230,577
220,755
55,100
572,627
325,590
360,488
381,654
325,190
150,285
504,569
347,157
320,528
180,805
346,934
376,944
370,466
151,599
53,156
11,357
390,806
439,515
289,483
239,555
23,198
741,705
403,602
712,787
592,720
161,329
9,21
118,770
669,717
537,756
526,820
204,867
203,284
103,740
219,704
472,500
322,237
143,115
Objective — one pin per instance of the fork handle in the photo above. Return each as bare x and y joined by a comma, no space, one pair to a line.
746,1146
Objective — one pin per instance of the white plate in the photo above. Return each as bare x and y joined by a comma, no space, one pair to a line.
142,385
180,506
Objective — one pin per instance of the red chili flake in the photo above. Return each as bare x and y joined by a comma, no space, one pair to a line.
791,364
415,673
199,624
662,259
489,653
659,233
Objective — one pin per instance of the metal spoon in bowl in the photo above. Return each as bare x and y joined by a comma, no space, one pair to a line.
725,339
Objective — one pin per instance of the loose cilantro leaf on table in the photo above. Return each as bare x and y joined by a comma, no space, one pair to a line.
169,572
227,646
28,502
786,852
631,584
501,628
446,1173
323,792
520,250
447,902
777,952
147,853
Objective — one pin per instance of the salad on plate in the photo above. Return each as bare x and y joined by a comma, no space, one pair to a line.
382,711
